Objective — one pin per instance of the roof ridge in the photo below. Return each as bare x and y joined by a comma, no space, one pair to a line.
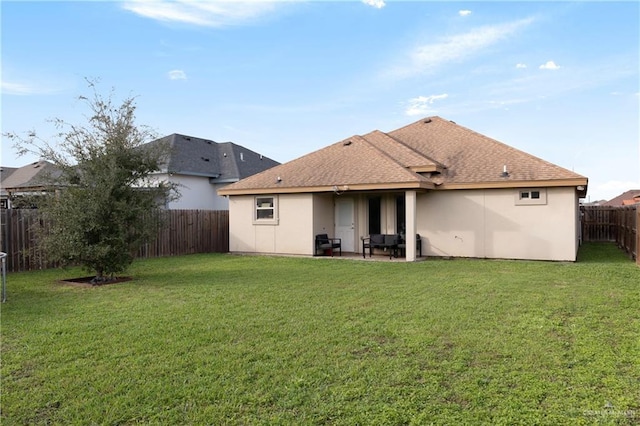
389,157
424,119
189,137
412,149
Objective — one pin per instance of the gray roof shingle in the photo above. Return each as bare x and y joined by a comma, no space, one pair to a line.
225,161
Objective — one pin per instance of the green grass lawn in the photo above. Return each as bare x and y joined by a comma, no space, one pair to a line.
223,339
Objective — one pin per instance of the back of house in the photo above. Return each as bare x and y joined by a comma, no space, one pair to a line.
465,194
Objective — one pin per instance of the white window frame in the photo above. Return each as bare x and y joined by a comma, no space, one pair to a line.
531,197
264,203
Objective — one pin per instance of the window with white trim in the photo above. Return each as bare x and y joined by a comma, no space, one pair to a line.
266,209
531,196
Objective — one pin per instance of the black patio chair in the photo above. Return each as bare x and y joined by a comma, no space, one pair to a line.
325,245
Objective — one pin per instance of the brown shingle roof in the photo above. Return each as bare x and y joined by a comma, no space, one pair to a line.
34,175
448,155
472,158
354,162
628,196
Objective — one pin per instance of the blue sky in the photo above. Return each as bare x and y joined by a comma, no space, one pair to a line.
559,80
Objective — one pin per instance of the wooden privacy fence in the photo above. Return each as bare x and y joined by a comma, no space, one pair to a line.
189,232
184,232
614,224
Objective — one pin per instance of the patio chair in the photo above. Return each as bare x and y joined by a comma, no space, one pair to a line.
325,245
402,247
381,241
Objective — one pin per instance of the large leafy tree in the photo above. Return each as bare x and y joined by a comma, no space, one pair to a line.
103,204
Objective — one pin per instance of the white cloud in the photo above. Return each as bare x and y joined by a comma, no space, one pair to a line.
426,58
177,75
610,189
549,65
532,87
378,4
203,13
10,88
464,12
26,89
422,104
521,66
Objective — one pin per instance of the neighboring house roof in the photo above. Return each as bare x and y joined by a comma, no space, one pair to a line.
627,198
32,176
223,161
432,153
5,172
631,202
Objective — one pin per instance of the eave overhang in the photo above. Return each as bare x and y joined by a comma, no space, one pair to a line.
579,183
329,188
188,173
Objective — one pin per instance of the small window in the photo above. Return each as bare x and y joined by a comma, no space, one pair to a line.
266,210
527,197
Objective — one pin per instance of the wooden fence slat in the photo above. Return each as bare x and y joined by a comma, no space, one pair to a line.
613,224
184,232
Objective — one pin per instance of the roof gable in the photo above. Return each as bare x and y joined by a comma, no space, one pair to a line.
239,162
472,158
430,153
354,163
225,161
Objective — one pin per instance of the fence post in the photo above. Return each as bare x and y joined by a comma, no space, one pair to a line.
637,235
3,256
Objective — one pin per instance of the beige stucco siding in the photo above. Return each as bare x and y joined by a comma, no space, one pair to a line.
291,233
489,223
241,233
484,223
323,214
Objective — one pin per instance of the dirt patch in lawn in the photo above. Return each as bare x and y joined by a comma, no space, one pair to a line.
91,282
